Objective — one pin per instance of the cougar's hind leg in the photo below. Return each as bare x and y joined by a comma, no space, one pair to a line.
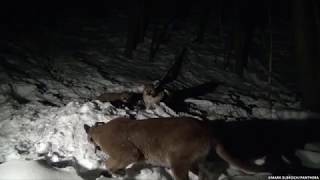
244,166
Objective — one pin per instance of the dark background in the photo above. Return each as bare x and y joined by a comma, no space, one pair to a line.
296,23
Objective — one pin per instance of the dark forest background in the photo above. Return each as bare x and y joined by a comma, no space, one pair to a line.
240,20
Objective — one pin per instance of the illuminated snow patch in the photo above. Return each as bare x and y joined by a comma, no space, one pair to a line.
34,170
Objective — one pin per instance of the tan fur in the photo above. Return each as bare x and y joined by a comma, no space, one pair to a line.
151,97
112,97
178,143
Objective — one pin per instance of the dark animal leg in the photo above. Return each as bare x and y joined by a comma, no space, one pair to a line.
242,165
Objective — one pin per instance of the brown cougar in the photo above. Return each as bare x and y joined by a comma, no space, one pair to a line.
179,143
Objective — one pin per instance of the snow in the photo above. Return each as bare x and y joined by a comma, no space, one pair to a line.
44,104
34,170
309,159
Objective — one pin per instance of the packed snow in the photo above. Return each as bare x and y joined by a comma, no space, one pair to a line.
35,170
46,99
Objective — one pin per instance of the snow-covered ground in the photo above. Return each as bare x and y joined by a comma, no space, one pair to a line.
48,88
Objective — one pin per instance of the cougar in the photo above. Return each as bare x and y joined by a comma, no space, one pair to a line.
116,99
152,96
179,143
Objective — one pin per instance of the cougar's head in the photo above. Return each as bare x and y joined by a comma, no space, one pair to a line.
149,90
91,134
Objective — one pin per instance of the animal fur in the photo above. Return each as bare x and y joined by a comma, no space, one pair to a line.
161,142
116,99
152,96
183,143
178,143
274,139
112,97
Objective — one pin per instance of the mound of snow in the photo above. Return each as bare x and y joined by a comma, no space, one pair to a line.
55,133
34,170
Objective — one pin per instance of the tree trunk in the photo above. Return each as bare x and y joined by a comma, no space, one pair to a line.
203,20
137,22
306,52
143,19
242,35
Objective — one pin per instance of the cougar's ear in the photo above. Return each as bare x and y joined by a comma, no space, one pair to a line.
156,84
86,128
